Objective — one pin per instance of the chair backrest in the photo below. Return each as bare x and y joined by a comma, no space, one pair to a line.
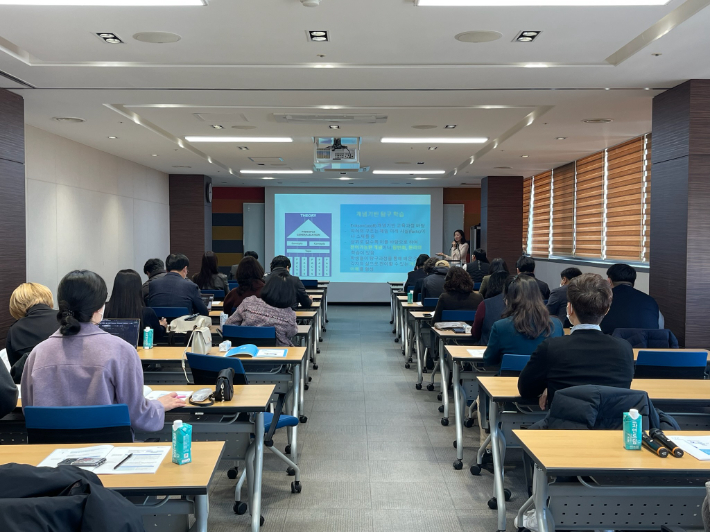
476,286
671,364
310,283
233,285
430,302
459,315
205,368
409,288
512,365
171,312
218,294
260,336
78,424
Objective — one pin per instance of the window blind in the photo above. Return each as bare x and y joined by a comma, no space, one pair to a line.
625,201
527,191
647,204
563,182
589,206
541,214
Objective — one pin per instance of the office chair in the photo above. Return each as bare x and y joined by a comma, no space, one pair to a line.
218,294
241,334
233,285
205,369
459,315
671,364
476,286
430,303
78,424
310,283
171,312
512,365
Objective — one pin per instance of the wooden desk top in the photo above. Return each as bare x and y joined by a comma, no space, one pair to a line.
294,355
392,283
421,315
189,479
461,353
315,291
306,313
215,313
303,329
217,303
249,398
589,452
416,304
451,334
402,298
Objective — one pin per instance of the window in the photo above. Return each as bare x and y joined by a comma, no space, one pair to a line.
598,207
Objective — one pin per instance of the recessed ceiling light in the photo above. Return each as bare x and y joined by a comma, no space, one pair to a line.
409,172
527,36
105,3
114,41
444,140
317,35
110,38
561,138
656,55
113,137
421,178
332,126
536,65
244,148
538,3
432,148
597,120
217,126
450,126
317,39
344,178
69,119
275,171
525,156
154,155
478,36
524,39
244,140
267,177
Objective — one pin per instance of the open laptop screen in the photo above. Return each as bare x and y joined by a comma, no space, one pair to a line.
127,329
207,299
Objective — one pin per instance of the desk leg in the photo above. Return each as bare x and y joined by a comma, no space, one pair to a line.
391,305
444,381
301,383
258,472
545,522
296,404
316,333
417,334
309,354
406,342
458,416
497,465
202,510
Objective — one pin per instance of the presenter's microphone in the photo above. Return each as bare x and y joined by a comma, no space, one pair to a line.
654,446
657,434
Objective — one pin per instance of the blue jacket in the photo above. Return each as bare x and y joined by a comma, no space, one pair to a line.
505,340
630,309
172,290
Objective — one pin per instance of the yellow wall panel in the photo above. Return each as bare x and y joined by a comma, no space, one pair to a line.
229,259
227,233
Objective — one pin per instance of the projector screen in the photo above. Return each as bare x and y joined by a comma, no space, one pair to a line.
366,236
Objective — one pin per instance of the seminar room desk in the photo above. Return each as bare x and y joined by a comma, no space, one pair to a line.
394,287
403,328
442,337
418,316
678,394
310,317
637,498
189,480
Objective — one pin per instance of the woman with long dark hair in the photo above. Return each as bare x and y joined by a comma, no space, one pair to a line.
525,322
459,250
250,276
497,265
127,302
491,308
209,277
82,365
458,294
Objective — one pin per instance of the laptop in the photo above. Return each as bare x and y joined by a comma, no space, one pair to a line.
126,329
207,299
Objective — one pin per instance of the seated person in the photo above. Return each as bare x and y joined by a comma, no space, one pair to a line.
417,273
31,305
630,308
526,266
273,309
8,392
233,270
428,268
587,356
282,264
458,294
209,277
174,290
557,303
154,269
479,267
433,284
497,265
250,276
490,309
524,324
126,302
81,365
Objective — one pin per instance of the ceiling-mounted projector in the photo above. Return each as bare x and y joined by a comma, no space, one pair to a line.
310,3
337,154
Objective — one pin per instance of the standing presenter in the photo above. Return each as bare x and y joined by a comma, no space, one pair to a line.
459,250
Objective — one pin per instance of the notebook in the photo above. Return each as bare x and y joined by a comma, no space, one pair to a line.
253,351
207,299
125,328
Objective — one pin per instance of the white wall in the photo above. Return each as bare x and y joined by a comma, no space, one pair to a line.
87,209
549,271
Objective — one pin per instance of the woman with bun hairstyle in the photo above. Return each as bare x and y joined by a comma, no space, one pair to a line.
81,365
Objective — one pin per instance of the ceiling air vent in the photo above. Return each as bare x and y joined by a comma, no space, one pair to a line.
306,118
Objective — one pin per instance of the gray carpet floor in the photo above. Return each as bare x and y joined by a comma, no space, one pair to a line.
373,454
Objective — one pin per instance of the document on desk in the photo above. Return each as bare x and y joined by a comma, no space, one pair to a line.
271,353
157,394
96,452
145,460
477,353
697,446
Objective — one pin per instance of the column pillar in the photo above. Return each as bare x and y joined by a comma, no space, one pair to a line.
190,217
502,217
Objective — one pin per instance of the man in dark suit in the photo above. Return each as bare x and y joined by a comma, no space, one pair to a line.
631,308
233,269
174,290
526,266
417,273
587,356
557,302
154,269
281,263
433,285
428,268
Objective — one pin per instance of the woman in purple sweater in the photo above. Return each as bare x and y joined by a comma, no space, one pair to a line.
81,365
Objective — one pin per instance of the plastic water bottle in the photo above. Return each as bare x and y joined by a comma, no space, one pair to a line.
223,319
148,338
182,442
410,296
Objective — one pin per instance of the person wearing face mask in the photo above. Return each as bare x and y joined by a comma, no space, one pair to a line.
587,356
459,250
82,365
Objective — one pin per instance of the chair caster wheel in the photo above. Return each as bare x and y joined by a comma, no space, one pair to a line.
291,472
296,487
394,331
305,387
406,366
233,473
261,520
320,340
438,397
445,421
441,408
507,493
318,350
430,387
303,419
456,444
458,465
396,340
310,379
475,470
391,322
470,422
418,386
240,508
424,370
487,457
287,449
327,321
493,503
315,366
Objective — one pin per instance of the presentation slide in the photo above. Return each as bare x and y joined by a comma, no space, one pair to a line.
352,238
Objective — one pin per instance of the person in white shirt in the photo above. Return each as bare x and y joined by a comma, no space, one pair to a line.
459,250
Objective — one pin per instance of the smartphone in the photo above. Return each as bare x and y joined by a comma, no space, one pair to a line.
83,462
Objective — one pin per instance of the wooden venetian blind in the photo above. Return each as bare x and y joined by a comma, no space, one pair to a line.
624,201
541,215
647,212
563,210
527,191
590,206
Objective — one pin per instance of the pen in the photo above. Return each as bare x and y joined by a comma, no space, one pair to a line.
121,462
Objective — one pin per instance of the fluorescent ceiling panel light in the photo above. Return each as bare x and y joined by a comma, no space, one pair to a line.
105,3
441,140
408,172
244,140
276,171
538,3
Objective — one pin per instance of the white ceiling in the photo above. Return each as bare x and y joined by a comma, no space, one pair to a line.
252,58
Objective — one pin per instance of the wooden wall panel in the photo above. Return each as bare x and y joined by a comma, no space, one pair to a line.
188,220
12,203
502,217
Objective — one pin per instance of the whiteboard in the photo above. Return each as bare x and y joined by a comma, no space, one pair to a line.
254,234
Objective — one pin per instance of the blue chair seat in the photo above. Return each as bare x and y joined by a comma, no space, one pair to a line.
284,421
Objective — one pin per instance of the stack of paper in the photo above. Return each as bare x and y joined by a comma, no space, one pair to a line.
697,446
142,459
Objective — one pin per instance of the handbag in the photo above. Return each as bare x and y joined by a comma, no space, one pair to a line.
200,342
225,389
